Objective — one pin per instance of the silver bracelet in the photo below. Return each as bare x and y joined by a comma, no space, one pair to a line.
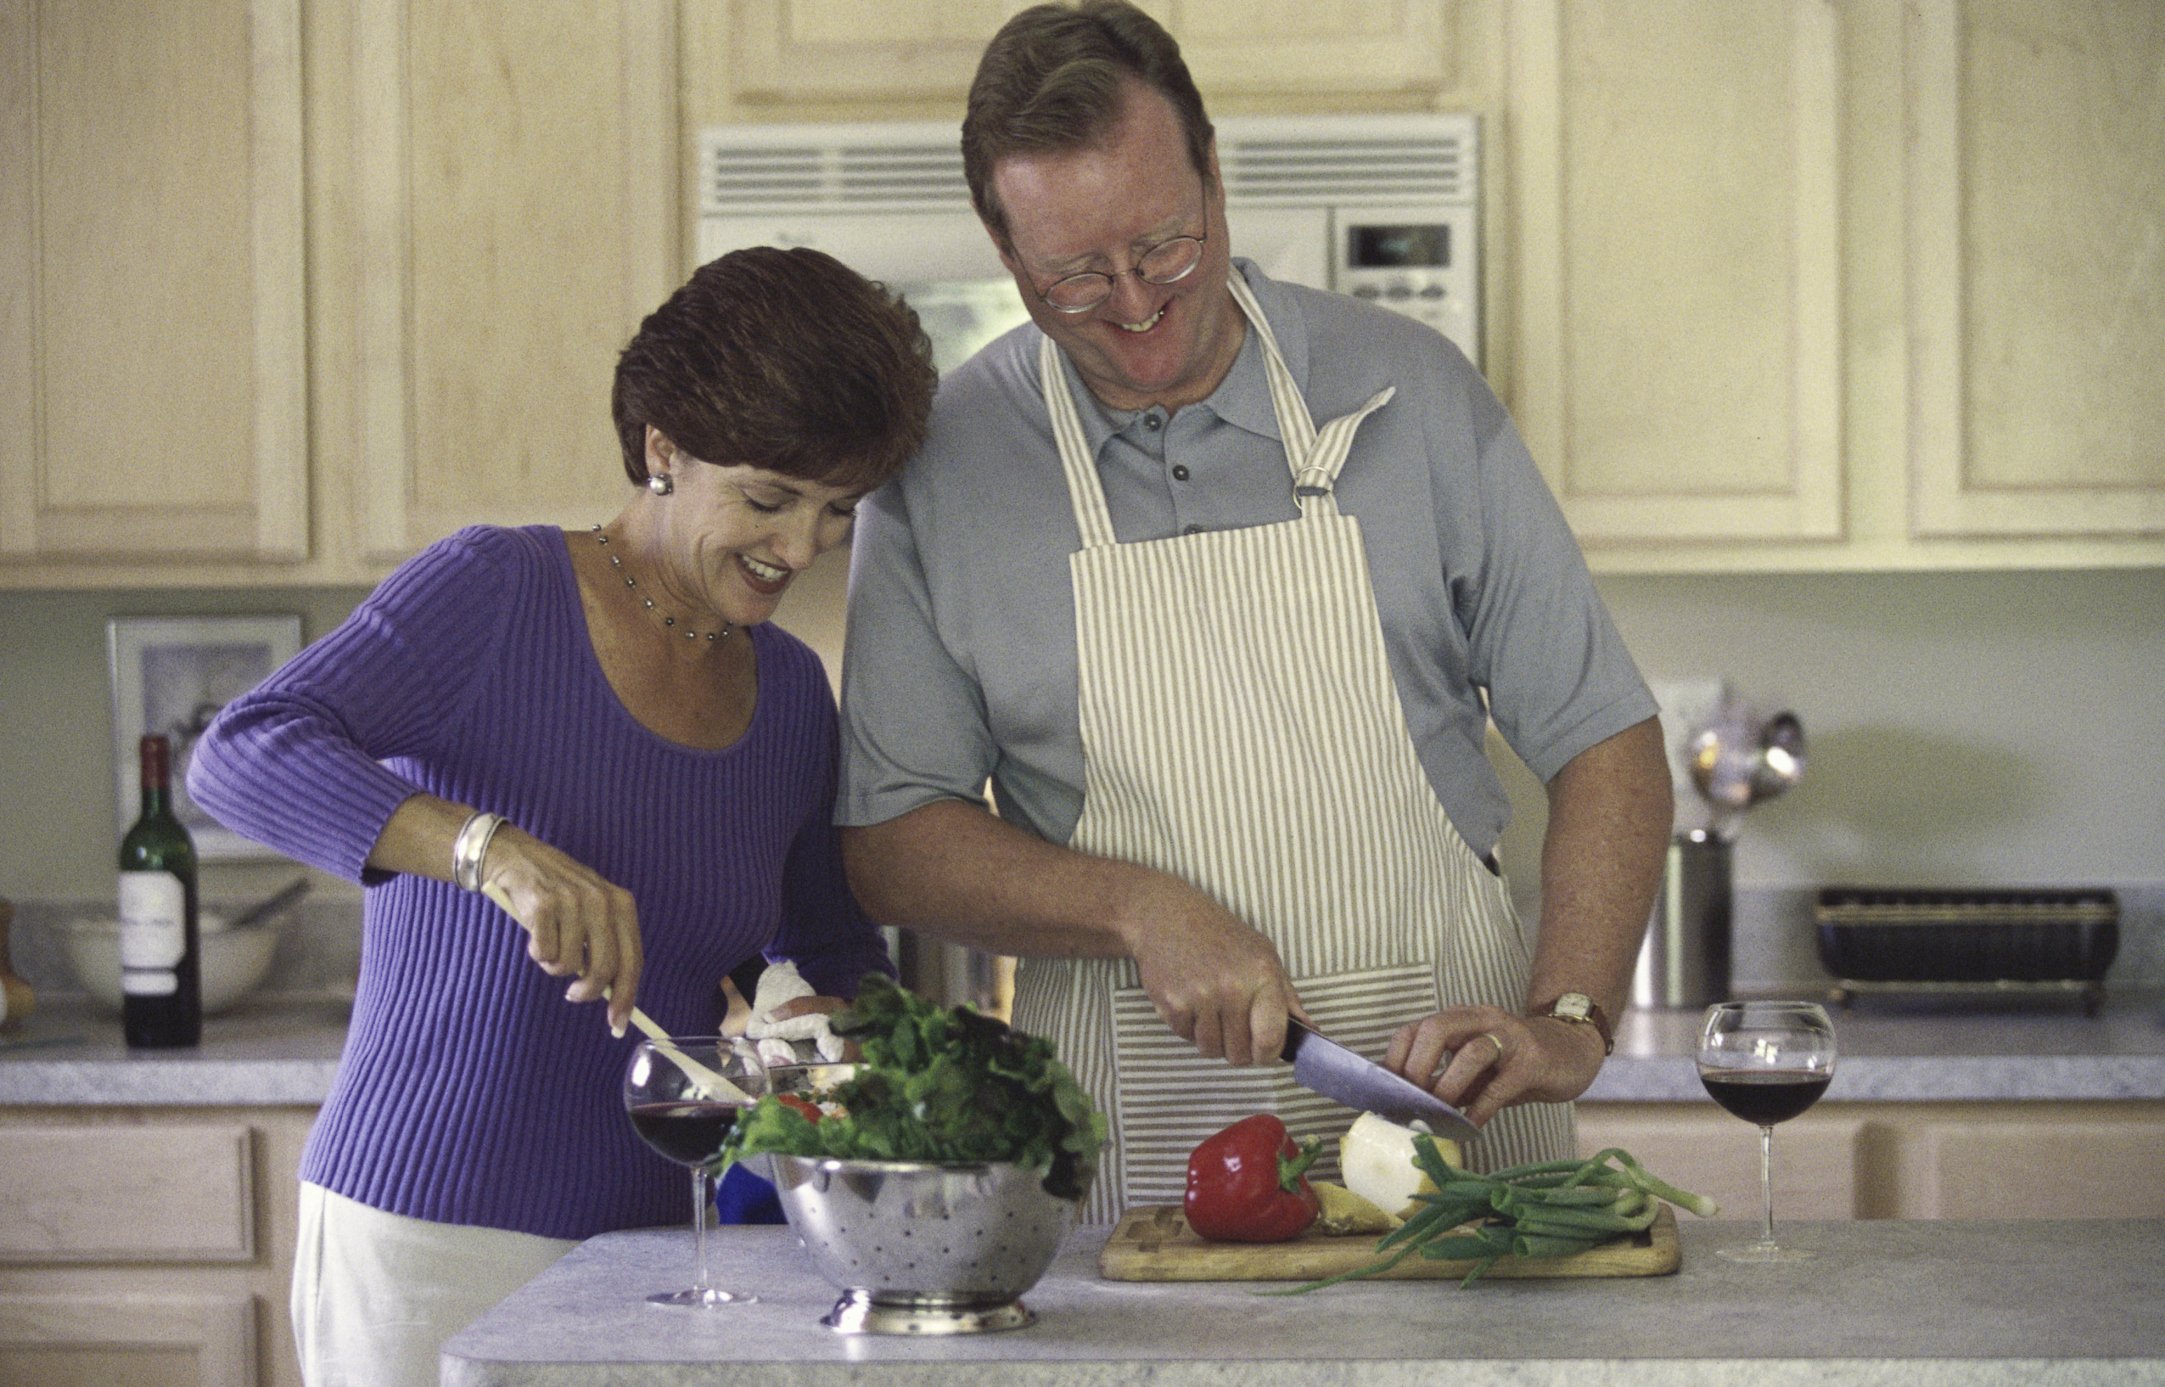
470,847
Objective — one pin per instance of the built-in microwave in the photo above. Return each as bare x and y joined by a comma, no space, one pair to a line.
1380,206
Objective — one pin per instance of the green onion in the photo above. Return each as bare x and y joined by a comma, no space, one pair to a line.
1543,1209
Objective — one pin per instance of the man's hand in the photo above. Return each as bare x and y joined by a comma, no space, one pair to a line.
1482,1060
1215,980
955,871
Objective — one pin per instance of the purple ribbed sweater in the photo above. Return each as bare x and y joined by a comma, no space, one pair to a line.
470,1092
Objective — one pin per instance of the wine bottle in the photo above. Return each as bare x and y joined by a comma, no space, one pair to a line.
161,997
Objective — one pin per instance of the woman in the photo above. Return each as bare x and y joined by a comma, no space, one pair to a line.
663,762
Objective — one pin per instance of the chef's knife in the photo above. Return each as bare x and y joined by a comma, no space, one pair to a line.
1332,1070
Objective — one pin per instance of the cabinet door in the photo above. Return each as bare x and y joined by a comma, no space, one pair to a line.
2036,185
153,399
73,1193
1677,204
834,49
2044,1167
1816,1157
518,199
141,1340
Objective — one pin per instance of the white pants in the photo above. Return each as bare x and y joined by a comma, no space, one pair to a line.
376,1294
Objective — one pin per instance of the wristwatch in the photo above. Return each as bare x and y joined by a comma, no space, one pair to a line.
1581,1010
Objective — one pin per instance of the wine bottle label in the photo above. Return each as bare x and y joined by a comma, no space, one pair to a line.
153,932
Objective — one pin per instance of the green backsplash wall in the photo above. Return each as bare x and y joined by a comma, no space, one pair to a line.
58,818
1987,728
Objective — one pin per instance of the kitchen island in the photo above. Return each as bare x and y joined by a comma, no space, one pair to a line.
200,1256
1922,1304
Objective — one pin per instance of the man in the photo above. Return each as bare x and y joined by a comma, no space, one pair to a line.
1217,581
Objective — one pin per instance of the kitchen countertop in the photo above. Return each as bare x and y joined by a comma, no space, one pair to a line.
1920,1304
1902,1050
278,1051
269,1052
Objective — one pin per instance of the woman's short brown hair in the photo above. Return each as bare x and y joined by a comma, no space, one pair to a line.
784,360
1051,79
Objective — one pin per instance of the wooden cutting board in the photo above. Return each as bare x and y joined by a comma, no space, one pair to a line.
1156,1244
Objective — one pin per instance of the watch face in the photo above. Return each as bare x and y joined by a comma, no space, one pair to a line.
1573,1004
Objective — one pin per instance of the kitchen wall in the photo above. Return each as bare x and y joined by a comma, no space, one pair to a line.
1964,729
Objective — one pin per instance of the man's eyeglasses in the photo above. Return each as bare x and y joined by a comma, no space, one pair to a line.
1164,263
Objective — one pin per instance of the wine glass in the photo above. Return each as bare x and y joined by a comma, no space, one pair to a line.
1766,1062
682,1112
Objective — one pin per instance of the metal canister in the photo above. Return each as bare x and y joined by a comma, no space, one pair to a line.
1685,959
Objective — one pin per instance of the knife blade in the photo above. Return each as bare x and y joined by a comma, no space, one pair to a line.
1322,1064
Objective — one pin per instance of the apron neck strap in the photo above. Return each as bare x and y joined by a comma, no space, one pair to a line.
1313,455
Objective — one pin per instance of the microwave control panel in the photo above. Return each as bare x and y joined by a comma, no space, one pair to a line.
1418,261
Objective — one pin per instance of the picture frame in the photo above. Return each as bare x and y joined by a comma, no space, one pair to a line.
171,674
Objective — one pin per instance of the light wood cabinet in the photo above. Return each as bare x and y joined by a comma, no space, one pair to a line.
488,206
148,1245
1677,204
1905,1160
1704,1150
153,378
824,50
71,1201
289,290
517,175
2037,302
1810,286
141,1340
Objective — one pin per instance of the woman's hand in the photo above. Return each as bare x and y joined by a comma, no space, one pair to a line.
1482,1060
578,924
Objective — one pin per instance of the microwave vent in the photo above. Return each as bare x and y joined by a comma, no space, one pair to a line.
917,165
1346,169
802,174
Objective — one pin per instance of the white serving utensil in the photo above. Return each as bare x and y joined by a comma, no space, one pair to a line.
711,1084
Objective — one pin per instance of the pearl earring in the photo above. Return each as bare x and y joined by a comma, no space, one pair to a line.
661,484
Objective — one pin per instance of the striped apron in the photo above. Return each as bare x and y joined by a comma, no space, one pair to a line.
1233,687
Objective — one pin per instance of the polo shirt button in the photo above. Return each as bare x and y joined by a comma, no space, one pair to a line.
1153,423
1180,473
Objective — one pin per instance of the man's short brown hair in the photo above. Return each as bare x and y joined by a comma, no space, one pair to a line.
1052,79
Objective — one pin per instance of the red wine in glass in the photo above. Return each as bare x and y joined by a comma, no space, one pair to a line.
687,1133
1764,1098
1765,1062
683,1096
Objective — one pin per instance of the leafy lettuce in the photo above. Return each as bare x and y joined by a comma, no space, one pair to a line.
938,1084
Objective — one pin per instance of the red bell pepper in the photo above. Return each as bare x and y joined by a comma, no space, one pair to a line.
1249,1183
811,1110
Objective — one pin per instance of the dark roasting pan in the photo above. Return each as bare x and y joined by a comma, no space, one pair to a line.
1904,935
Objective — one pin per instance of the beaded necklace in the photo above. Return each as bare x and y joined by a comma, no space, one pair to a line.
666,620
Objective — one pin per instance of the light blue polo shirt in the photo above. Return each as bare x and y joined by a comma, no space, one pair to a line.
960,663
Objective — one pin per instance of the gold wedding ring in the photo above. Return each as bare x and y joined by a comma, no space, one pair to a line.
1490,1037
